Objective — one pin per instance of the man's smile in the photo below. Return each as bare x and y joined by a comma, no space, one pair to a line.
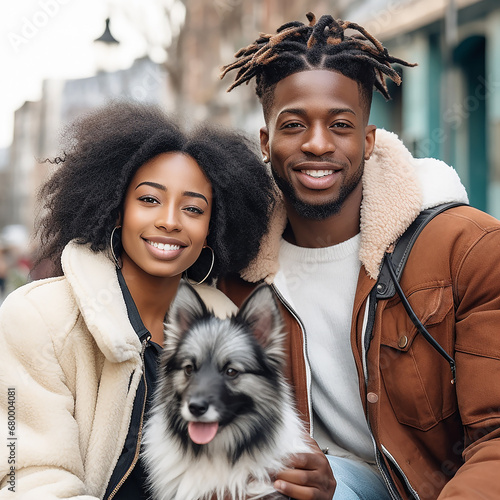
317,173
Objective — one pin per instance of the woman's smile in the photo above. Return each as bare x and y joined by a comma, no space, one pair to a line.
164,250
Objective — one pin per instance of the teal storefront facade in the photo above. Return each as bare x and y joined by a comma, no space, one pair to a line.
448,106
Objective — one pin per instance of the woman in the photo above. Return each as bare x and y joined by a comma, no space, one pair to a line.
133,205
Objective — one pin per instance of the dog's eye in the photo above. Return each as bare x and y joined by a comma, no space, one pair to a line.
188,370
231,372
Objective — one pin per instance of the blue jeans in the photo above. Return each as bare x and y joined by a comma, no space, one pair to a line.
356,481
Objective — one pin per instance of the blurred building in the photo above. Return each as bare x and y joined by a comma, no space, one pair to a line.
212,33
187,84
449,105
38,126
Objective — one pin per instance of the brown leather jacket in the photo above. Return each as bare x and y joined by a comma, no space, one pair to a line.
428,430
434,438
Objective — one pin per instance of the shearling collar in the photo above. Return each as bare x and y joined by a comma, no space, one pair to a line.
94,282
93,279
396,187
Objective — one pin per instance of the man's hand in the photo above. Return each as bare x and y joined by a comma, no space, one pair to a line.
309,478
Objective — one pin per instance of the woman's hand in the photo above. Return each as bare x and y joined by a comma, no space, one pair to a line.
309,478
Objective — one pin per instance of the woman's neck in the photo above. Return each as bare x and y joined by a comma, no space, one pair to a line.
152,297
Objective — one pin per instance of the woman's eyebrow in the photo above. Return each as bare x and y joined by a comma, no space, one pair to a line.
152,184
193,194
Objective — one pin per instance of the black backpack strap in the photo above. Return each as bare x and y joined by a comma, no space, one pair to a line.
392,269
385,284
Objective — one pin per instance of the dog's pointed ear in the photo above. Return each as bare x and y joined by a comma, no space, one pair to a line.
186,307
260,311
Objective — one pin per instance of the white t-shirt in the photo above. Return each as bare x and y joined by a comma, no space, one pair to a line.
320,284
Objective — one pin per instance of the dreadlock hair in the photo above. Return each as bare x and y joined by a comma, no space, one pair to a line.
320,45
84,197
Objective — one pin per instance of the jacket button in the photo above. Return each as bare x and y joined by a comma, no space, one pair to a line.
403,341
372,397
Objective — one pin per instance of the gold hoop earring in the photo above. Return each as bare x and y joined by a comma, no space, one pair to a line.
209,271
115,258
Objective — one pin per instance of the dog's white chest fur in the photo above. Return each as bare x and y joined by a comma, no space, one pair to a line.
176,475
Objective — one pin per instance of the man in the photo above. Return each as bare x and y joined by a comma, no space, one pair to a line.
374,391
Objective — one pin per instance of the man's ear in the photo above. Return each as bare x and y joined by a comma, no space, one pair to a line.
264,141
370,131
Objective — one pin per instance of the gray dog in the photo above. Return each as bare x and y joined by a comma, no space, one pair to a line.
222,422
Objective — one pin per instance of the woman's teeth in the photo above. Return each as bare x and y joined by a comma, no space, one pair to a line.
317,173
164,246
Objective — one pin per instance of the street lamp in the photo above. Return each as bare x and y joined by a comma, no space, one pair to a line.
106,53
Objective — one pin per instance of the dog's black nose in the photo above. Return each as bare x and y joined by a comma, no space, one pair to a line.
198,407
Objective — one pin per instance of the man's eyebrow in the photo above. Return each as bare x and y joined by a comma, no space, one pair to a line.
152,184
303,112
338,111
292,111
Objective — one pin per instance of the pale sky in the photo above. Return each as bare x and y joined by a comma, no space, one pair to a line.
53,39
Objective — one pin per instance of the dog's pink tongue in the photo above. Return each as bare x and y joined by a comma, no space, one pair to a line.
202,432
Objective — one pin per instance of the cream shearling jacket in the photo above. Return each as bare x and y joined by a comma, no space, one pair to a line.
70,364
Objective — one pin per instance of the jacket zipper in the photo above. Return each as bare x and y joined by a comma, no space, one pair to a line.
408,485
306,360
139,436
387,479
368,322
367,329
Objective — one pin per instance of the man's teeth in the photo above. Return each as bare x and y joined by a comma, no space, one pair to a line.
317,173
164,246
